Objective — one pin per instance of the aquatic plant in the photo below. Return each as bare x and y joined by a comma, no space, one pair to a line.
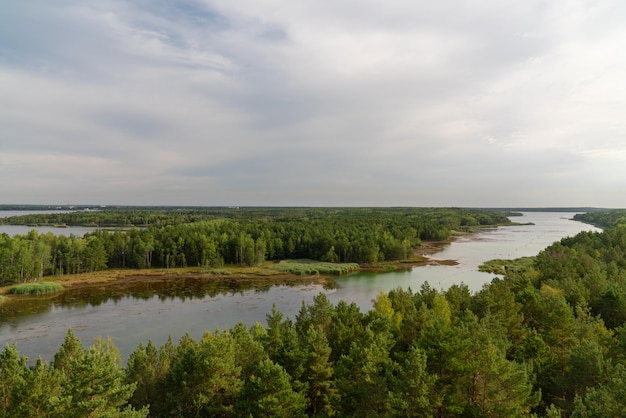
305,266
35,288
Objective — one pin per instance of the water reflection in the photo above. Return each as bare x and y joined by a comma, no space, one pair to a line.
136,312
180,289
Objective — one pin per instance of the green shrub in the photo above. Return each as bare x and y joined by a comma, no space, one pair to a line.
500,266
220,271
300,267
387,266
35,288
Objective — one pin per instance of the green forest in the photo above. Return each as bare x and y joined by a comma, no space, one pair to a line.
603,219
214,237
546,339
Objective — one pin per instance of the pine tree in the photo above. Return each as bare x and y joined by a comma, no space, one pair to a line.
205,379
147,367
318,374
364,376
12,379
268,393
41,396
413,386
71,348
94,382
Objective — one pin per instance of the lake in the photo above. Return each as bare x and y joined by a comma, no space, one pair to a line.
162,308
13,230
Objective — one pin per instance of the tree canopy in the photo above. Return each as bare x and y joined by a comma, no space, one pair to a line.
214,237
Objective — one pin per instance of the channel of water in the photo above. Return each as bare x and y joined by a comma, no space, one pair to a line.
162,308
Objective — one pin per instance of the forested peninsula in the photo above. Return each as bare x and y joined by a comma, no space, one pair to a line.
211,238
548,338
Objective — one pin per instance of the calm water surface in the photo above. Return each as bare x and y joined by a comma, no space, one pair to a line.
13,230
154,311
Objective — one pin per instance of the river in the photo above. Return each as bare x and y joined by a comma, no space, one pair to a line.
13,230
156,310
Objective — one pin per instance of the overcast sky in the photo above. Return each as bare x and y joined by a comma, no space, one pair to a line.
317,103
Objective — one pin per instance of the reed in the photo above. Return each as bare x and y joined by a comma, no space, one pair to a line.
35,288
303,266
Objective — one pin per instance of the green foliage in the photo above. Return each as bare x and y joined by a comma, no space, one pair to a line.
147,368
603,219
301,267
413,385
223,271
502,267
367,369
35,288
548,339
268,393
203,380
589,269
605,400
94,383
212,237
12,381
79,383
321,390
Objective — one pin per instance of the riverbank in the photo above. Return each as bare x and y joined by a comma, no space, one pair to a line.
265,274
130,276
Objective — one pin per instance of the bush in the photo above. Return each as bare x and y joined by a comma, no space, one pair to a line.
300,267
35,288
220,271
501,267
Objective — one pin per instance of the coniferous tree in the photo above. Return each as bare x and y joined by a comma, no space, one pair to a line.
12,379
364,376
93,383
318,374
268,393
204,380
413,385
148,367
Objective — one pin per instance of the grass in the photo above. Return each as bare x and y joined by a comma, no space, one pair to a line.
500,266
267,271
303,266
223,271
386,266
35,288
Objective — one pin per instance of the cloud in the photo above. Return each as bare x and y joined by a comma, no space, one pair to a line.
342,103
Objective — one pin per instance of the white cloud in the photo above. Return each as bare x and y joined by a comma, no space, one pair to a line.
276,102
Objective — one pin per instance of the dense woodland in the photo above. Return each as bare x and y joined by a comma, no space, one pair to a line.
603,219
547,339
214,237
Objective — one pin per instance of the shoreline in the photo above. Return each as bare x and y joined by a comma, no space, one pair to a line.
422,256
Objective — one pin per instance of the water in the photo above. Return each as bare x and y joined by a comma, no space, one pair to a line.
13,230
39,328
469,252
133,314
9,213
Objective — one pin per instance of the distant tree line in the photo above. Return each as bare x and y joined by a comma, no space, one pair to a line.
212,238
603,219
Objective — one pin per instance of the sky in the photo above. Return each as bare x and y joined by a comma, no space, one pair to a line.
475,103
